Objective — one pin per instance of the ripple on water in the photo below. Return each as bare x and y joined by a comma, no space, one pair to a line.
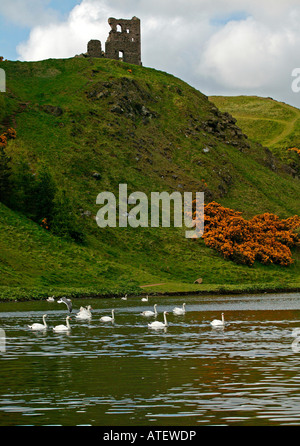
117,373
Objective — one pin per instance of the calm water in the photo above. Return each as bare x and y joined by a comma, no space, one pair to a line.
125,374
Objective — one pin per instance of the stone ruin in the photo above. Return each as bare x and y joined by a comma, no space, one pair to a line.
123,42
94,49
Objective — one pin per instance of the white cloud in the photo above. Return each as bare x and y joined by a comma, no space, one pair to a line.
194,40
65,39
243,54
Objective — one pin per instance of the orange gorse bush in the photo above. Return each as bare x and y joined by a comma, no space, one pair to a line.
9,134
3,140
45,224
265,238
295,149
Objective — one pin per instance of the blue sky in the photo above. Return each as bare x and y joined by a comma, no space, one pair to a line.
10,36
12,33
222,47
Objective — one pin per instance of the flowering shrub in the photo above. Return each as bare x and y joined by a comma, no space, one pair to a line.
295,149
265,238
3,141
9,134
45,224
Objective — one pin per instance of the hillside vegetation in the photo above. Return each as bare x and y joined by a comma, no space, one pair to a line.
274,124
98,123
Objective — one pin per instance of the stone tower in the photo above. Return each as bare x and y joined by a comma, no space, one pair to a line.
94,48
124,40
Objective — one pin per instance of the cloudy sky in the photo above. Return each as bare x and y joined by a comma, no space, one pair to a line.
226,47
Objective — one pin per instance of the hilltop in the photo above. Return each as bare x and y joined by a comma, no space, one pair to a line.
97,123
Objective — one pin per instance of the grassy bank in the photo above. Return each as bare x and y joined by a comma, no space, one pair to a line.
18,294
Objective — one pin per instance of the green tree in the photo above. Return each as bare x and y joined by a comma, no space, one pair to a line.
23,188
43,195
64,220
62,216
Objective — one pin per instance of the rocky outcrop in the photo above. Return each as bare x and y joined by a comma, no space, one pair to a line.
126,97
223,127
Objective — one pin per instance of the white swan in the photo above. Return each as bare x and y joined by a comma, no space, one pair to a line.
149,312
84,313
36,326
145,299
124,297
157,324
50,299
63,327
108,318
87,309
178,310
218,323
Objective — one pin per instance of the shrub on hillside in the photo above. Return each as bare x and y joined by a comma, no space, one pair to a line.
265,238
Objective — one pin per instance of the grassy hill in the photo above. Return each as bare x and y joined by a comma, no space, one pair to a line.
99,123
273,124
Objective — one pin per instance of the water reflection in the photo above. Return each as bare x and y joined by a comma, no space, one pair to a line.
123,373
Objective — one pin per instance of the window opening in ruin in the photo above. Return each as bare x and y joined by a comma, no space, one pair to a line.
119,29
121,55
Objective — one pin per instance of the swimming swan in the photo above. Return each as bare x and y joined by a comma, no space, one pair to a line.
63,327
36,326
157,324
218,323
178,310
149,312
108,318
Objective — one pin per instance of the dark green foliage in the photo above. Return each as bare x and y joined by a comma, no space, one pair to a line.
37,196
23,189
5,177
63,220
43,195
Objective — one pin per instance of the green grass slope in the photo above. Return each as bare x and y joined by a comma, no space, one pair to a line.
150,130
273,124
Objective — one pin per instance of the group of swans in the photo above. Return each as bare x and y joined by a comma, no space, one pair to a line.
177,311
157,324
84,313
44,326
